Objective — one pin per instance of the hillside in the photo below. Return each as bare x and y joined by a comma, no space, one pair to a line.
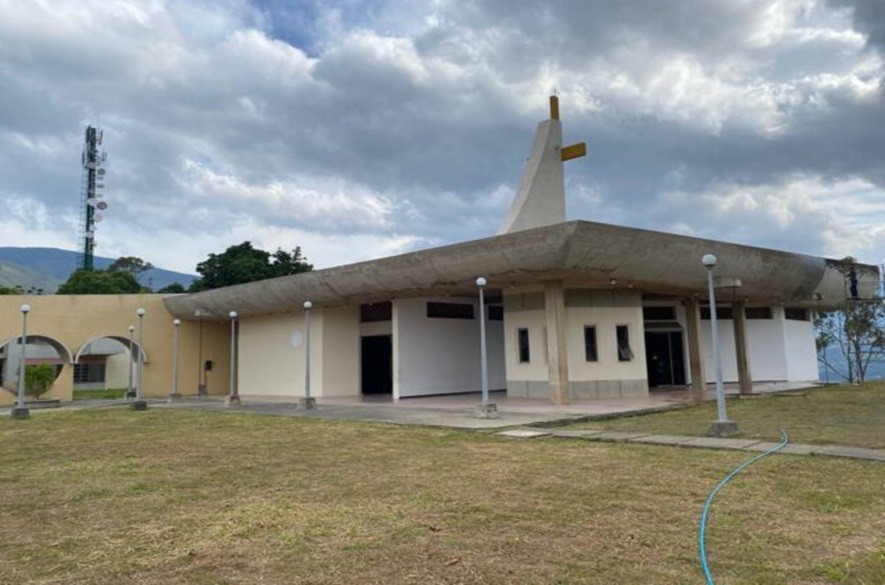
47,268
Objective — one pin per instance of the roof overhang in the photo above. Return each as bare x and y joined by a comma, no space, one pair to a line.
579,253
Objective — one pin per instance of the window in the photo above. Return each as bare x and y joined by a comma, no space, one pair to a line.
88,373
758,312
625,354
449,311
372,312
795,314
590,353
523,336
496,313
721,313
659,313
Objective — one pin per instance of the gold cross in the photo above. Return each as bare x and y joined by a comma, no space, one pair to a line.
571,151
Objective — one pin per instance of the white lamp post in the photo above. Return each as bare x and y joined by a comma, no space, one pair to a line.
722,427
140,403
484,410
233,398
176,323
307,402
20,411
130,390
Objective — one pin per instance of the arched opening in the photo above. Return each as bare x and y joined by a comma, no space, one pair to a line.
105,367
45,358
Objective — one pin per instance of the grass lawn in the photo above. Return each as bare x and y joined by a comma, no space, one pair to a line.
844,415
174,496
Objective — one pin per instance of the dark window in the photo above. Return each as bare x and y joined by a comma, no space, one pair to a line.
590,344
758,312
721,313
496,313
796,314
372,312
88,373
524,354
449,311
625,354
659,313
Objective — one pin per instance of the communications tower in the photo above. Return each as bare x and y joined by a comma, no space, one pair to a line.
91,194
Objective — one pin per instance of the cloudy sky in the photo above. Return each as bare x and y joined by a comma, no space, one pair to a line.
357,129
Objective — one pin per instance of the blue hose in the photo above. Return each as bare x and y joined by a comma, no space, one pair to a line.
702,530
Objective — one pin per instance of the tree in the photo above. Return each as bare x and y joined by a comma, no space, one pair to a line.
100,282
244,263
39,378
173,288
131,264
11,290
857,332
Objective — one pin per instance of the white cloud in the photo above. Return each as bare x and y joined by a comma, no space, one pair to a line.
357,129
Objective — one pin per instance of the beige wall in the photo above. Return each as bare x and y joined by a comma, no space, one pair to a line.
271,366
341,352
74,320
604,309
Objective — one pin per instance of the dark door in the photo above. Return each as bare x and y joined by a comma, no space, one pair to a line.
377,364
665,361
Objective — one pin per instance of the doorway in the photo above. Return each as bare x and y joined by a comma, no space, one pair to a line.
377,364
665,361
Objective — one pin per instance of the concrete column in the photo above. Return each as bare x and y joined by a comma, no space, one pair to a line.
695,351
557,345
739,316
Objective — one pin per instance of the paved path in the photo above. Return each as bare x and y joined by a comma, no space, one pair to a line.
700,442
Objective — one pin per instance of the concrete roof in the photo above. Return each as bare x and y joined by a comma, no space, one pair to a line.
580,253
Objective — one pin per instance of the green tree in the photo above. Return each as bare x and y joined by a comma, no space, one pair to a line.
100,282
244,263
11,290
857,332
131,264
173,288
39,378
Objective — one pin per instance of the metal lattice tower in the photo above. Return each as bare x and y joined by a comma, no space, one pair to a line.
91,194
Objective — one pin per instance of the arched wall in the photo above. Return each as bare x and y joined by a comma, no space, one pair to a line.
75,320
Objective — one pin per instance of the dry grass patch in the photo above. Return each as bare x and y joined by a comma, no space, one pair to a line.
841,415
171,496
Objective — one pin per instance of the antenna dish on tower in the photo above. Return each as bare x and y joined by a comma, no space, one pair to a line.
92,158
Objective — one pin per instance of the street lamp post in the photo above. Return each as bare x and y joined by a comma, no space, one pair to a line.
21,412
484,409
130,390
176,323
722,427
140,403
233,398
307,402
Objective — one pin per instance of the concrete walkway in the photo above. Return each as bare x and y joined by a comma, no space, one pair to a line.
699,442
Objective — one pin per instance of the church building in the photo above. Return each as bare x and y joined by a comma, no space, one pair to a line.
573,310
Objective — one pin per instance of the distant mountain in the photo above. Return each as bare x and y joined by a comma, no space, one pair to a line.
47,268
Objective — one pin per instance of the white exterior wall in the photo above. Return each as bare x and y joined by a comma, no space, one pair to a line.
802,355
780,350
440,356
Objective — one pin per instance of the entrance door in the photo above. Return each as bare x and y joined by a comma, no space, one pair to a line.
377,364
665,361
